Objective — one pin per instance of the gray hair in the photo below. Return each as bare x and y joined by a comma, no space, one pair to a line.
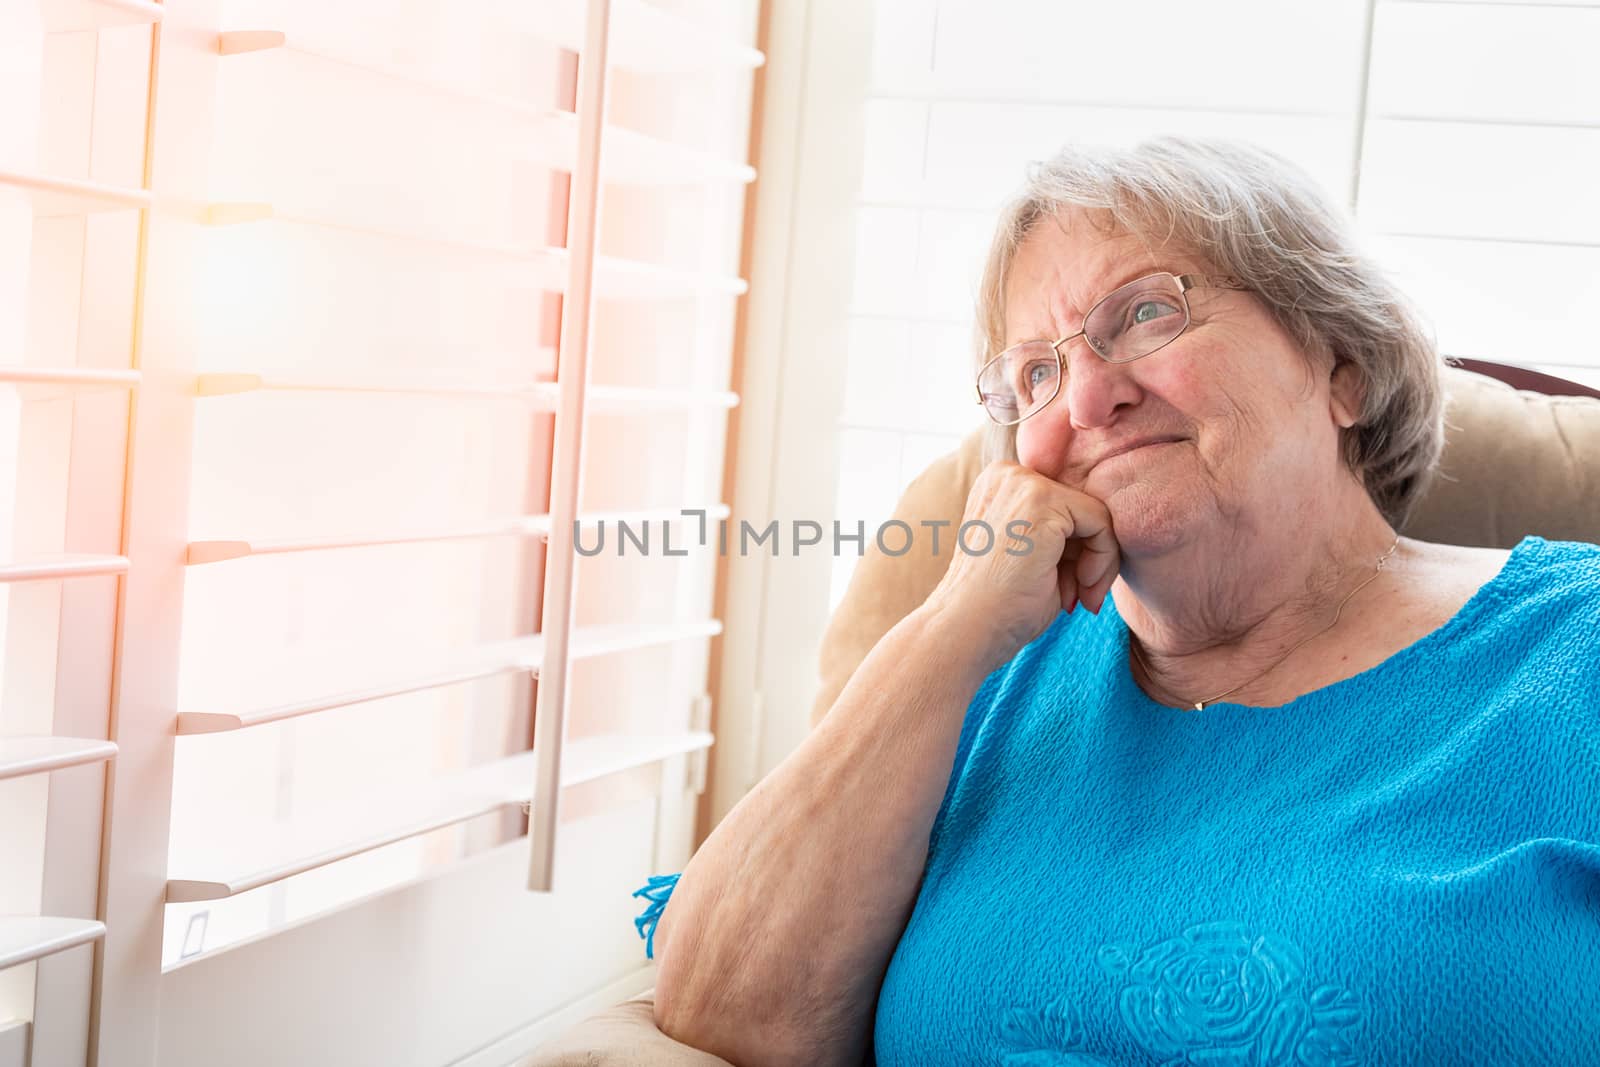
1253,214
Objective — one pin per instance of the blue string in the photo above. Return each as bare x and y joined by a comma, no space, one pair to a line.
657,891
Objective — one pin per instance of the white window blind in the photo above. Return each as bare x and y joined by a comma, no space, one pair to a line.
72,94
327,354
1477,124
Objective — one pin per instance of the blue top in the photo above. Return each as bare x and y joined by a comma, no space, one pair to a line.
1402,867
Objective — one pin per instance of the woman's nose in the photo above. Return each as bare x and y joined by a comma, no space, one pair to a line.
1093,390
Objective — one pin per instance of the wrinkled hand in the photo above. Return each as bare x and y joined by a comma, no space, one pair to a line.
1053,549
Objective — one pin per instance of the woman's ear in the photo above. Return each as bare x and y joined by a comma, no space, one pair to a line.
1345,393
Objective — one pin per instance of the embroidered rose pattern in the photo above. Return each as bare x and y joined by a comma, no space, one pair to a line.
1046,1037
1217,996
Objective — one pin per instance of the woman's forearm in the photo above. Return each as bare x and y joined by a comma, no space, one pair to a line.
774,944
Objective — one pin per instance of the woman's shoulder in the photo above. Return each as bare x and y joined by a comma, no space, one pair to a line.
1543,611
1563,572
1530,610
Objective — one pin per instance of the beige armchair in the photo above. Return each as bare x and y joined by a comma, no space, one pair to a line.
1515,462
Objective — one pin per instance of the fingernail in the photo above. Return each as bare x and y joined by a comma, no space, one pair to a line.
1072,604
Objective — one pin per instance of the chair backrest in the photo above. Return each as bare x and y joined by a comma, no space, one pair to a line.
1515,463
1523,378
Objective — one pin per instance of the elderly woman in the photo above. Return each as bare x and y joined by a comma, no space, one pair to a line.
1209,765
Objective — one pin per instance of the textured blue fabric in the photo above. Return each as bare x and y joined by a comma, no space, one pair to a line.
1400,868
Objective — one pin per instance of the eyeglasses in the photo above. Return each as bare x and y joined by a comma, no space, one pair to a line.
1126,324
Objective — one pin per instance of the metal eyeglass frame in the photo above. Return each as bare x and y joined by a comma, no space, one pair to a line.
1185,283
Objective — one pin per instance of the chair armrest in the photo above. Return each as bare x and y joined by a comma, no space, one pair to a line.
624,1035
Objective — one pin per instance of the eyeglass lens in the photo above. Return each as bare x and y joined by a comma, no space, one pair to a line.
1132,321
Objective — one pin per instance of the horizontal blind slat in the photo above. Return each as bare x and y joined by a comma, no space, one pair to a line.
521,526
62,565
25,937
538,395
57,197
21,756
304,847
519,654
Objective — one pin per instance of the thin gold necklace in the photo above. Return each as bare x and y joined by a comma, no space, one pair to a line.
1200,705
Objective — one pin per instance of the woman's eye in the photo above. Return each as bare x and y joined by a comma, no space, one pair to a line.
1040,373
1148,310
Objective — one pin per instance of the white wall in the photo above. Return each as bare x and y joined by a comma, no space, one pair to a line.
1483,148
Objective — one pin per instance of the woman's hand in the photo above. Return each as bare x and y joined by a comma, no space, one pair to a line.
1052,550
